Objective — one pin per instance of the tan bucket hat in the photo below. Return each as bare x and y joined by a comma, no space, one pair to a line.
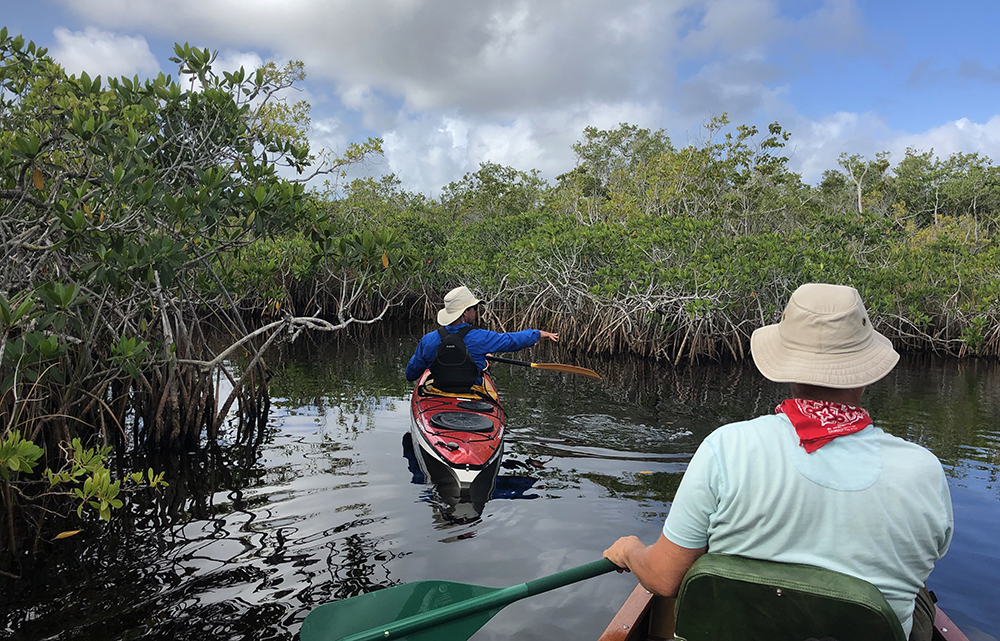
455,303
824,338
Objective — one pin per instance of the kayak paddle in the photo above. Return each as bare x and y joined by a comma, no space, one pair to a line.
569,369
429,610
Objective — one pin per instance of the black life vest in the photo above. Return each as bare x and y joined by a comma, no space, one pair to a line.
453,369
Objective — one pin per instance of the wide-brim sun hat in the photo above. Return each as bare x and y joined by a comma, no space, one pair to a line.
824,338
455,303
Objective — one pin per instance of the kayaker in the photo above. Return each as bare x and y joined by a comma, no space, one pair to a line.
452,371
815,482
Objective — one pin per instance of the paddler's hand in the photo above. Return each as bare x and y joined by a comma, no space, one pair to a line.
618,553
549,335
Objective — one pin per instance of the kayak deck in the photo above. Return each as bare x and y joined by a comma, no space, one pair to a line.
462,431
647,617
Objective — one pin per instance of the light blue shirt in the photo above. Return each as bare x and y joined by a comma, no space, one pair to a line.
867,504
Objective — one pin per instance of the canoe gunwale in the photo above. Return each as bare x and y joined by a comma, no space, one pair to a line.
631,622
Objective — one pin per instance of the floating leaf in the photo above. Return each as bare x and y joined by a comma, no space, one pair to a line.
36,177
66,535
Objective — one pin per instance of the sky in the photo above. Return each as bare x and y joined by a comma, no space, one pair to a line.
451,84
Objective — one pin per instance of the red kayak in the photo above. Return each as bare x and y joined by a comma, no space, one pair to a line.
457,433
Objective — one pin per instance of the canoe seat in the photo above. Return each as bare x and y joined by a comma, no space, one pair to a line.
724,597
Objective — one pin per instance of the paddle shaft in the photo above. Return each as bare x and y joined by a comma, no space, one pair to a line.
491,601
509,361
558,367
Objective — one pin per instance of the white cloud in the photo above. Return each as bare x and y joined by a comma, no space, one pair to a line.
428,151
103,53
822,142
816,145
752,27
452,84
512,144
730,26
836,24
329,133
953,137
486,57
232,60
376,113
738,87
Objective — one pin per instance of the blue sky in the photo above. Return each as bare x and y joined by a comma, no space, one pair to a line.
449,84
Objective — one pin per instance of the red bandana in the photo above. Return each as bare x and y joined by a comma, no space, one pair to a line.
819,422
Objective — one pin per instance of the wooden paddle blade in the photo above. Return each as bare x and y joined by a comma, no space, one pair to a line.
369,616
569,369
558,367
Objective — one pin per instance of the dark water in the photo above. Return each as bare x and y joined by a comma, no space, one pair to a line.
326,506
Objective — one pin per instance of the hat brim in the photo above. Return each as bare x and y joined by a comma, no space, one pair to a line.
782,364
447,318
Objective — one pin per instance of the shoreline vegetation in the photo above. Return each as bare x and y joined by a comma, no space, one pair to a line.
140,217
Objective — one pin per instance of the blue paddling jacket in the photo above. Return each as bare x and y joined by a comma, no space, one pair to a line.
479,343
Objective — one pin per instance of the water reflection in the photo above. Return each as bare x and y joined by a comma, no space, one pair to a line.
457,505
248,539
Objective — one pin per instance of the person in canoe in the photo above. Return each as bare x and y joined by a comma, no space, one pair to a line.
814,483
456,353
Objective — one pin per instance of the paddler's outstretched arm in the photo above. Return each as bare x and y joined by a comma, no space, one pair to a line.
659,567
481,342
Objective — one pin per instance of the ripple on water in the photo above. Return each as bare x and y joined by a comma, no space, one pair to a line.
624,436
328,507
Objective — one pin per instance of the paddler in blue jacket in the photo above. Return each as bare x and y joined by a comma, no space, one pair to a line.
455,353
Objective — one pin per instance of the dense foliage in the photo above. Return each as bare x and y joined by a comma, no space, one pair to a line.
125,208
142,220
678,253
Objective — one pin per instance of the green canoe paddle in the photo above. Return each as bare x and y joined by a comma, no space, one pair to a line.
429,610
